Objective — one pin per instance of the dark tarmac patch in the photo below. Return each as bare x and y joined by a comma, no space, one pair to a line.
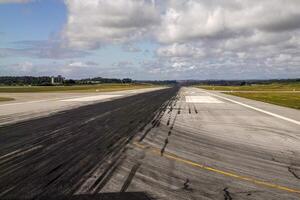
102,196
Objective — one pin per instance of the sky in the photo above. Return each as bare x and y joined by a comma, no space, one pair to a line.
151,39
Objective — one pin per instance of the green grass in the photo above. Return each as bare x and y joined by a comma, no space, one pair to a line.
76,88
276,93
258,87
291,99
6,99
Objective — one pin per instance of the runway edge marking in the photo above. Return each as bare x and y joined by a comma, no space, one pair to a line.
257,109
229,174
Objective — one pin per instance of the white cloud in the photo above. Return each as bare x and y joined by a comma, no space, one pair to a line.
230,39
25,66
194,38
180,50
91,23
77,64
186,20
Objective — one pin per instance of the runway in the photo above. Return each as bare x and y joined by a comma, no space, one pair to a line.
193,144
212,148
35,105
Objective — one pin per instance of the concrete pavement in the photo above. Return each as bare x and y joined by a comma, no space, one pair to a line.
213,150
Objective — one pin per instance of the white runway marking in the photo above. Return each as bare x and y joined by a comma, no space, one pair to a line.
37,101
13,104
257,109
92,98
201,99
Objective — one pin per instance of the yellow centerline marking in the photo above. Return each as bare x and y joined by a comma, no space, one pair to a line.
230,174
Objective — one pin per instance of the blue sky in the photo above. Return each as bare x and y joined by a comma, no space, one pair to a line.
32,21
149,39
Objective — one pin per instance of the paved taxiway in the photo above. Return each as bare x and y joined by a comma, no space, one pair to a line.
197,145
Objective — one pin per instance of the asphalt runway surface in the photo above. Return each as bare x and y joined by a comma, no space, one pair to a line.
54,155
34,105
191,144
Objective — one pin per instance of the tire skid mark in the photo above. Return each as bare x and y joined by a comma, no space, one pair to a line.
195,109
19,152
108,175
130,177
156,121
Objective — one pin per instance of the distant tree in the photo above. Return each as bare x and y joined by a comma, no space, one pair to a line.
127,80
24,80
70,82
243,83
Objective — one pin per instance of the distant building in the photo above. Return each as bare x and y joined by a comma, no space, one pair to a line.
57,80
52,80
60,79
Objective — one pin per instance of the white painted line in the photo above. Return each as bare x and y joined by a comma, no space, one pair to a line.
201,99
257,109
92,98
12,104
37,101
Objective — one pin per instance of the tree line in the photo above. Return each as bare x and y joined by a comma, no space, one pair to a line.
46,80
239,82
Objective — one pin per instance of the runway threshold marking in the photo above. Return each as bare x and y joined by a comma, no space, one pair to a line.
257,109
201,99
225,173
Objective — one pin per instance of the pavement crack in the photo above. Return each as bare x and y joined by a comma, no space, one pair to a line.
227,195
292,171
54,169
164,147
186,184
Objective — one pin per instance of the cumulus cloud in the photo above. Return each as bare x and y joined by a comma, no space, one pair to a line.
236,39
194,38
94,22
181,50
193,19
